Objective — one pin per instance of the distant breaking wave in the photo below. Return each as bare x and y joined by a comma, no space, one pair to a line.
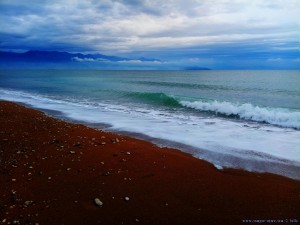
247,111
155,98
275,116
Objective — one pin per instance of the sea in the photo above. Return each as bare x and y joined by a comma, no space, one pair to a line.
246,119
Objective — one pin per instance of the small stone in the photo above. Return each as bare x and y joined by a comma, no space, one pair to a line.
93,139
115,140
68,169
128,153
13,179
72,152
102,137
126,198
98,202
49,178
106,173
103,143
102,163
28,203
123,160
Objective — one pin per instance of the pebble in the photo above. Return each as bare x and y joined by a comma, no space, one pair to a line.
115,140
13,179
72,152
98,202
106,173
126,198
28,203
128,153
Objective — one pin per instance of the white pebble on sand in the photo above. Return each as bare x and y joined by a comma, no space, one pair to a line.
98,202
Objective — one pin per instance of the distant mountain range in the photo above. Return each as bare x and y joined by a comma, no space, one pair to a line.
56,59
56,56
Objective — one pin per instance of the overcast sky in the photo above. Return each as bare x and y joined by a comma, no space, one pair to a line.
218,34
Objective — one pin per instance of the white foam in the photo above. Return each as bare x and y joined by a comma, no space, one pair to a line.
278,116
264,143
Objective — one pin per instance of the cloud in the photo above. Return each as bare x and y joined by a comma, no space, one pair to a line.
152,27
129,61
275,59
77,59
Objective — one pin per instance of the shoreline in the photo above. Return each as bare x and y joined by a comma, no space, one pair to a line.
278,166
52,171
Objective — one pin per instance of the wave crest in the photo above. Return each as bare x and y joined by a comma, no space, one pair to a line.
156,98
280,117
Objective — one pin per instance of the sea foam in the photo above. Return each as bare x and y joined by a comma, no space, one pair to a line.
276,116
223,142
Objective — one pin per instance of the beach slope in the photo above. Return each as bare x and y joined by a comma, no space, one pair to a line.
54,172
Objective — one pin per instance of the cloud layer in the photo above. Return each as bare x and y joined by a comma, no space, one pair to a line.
177,30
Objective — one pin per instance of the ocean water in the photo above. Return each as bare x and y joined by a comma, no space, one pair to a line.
235,119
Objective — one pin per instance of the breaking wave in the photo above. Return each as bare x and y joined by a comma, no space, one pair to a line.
275,116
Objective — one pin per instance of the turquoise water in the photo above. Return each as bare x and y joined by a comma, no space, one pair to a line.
260,88
222,116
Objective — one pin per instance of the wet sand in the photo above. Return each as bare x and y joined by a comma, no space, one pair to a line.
52,171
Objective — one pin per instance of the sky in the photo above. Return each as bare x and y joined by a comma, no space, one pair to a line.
218,34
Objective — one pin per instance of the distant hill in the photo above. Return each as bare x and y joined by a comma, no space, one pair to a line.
56,56
65,60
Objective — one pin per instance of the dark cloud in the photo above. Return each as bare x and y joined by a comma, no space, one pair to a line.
160,29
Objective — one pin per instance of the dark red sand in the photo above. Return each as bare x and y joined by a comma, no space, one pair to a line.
51,172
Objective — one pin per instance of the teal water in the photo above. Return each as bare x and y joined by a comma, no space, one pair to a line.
260,88
241,114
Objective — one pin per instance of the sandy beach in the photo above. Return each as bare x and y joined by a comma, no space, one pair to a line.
55,172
